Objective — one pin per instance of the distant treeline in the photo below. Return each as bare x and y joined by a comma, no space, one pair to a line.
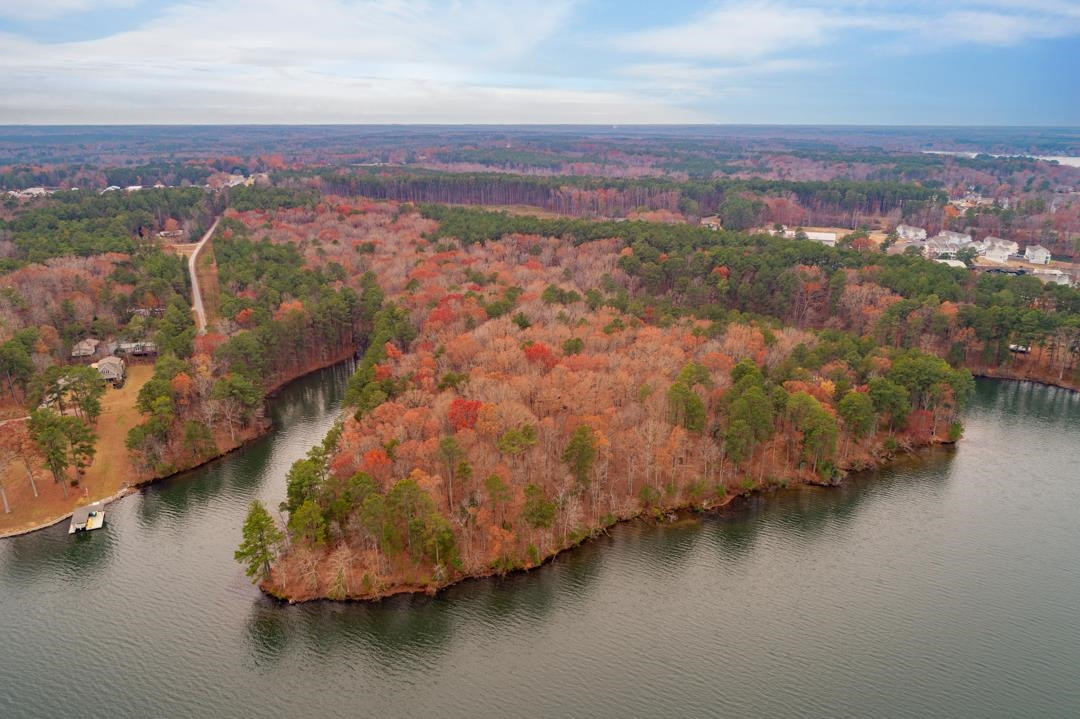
87,223
617,197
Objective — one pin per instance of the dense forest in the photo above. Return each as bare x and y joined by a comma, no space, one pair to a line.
276,320
79,223
829,201
529,381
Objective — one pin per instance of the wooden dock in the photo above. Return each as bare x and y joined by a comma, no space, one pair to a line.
84,519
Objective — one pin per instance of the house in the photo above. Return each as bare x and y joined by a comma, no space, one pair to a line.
112,370
712,222
912,234
1037,255
85,348
996,249
138,349
946,244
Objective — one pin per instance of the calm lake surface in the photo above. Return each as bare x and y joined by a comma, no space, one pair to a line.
949,586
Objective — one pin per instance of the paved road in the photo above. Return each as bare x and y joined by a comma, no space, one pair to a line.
196,293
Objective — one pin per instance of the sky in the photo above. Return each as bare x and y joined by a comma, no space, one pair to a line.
912,62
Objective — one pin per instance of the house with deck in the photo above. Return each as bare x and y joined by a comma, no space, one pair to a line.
112,370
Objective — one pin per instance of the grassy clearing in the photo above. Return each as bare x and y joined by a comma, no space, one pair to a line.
111,470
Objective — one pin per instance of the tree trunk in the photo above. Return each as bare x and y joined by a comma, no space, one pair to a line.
30,476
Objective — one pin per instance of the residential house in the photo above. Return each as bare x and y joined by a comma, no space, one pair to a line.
1037,255
712,222
137,348
946,244
996,249
910,233
112,370
85,348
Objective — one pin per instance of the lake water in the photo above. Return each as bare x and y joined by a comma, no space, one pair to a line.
1067,160
947,586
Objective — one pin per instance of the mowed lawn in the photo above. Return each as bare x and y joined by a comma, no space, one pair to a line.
110,471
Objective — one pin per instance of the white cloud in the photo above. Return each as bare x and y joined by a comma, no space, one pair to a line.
463,60
36,10
762,28
682,78
734,32
315,61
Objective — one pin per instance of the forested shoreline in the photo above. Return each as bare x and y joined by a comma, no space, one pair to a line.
519,368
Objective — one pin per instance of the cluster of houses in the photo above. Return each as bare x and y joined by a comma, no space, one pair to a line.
31,192
947,245
111,365
216,181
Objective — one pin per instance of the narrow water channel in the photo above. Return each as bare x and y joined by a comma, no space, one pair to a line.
945,586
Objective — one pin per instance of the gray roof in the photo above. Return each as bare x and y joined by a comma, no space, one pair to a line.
81,514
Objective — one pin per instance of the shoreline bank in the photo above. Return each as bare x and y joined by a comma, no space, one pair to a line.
257,434
658,516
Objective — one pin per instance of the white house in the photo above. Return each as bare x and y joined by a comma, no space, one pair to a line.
996,249
946,244
1037,255
907,232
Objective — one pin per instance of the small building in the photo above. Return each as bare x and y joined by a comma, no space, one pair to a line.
910,233
85,348
112,370
1037,255
1053,275
824,237
712,222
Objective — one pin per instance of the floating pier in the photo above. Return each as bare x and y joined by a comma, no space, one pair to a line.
91,516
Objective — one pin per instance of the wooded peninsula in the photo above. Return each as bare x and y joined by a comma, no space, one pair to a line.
568,352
